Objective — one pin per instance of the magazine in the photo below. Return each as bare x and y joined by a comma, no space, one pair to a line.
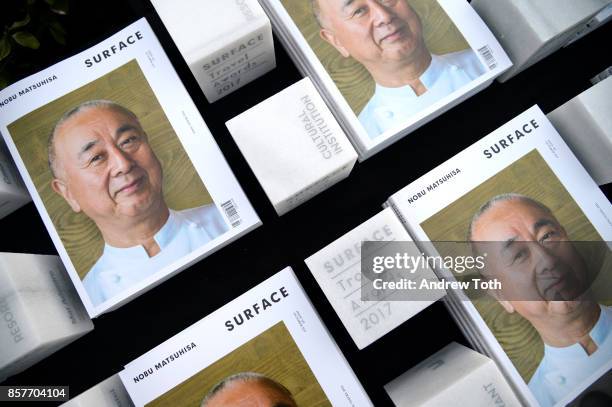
518,235
520,198
126,176
387,68
267,346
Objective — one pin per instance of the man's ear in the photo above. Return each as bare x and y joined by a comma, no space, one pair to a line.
330,37
62,189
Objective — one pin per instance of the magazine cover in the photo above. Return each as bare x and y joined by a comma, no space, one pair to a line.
265,348
123,170
521,199
387,67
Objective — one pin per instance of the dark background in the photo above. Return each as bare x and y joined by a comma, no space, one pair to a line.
123,335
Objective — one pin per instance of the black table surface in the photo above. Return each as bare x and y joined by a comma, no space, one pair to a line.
123,335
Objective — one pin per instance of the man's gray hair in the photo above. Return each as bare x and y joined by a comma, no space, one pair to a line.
244,377
503,198
316,11
90,104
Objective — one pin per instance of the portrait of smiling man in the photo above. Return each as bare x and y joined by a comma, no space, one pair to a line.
103,166
545,280
386,37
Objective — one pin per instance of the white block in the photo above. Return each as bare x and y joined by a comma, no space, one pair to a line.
585,123
109,393
40,311
531,30
294,145
226,44
13,193
337,269
453,376
594,23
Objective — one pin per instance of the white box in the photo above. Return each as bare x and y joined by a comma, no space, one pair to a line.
453,376
226,44
294,145
594,23
531,30
337,269
109,393
13,194
585,123
40,311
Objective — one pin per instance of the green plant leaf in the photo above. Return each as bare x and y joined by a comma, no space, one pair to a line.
21,23
58,32
5,47
26,39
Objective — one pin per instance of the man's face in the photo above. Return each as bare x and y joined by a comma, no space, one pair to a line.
371,31
250,393
105,166
541,273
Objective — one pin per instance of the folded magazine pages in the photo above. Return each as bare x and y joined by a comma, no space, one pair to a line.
268,345
113,151
387,68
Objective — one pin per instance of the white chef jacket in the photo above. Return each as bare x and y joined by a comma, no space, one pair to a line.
445,74
563,369
120,268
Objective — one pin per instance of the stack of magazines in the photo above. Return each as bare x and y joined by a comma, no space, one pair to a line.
538,229
386,68
124,172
